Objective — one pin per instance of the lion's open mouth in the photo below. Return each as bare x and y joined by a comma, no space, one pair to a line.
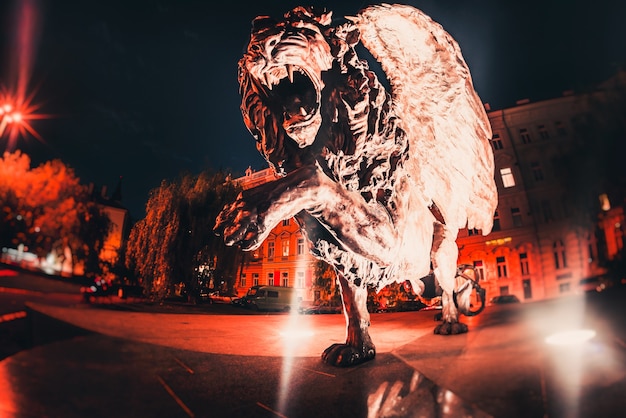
296,92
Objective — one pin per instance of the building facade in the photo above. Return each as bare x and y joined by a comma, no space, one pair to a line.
542,244
283,259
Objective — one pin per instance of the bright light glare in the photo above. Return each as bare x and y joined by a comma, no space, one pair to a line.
573,337
296,334
15,116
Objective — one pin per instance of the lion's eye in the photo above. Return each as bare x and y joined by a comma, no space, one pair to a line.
256,48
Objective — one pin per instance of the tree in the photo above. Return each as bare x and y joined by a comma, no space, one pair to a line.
326,282
47,210
176,236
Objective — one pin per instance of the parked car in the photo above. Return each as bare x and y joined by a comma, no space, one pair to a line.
410,305
104,287
321,308
594,284
241,302
386,307
220,297
271,298
432,304
504,299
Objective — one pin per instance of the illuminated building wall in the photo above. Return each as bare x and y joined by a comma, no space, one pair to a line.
118,216
283,259
541,245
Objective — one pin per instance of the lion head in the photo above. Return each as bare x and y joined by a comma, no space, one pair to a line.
307,97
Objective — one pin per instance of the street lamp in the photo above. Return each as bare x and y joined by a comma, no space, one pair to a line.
8,116
15,116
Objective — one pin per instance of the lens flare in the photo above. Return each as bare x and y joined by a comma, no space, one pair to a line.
17,109
16,115
573,337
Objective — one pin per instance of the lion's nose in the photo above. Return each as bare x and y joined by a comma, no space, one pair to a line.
270,44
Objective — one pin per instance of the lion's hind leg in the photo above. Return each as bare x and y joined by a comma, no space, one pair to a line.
444,258
358,347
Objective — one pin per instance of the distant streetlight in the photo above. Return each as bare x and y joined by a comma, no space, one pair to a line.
8,117
15,116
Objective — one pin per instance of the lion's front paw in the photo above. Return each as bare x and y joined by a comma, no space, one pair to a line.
451,328
344,355
240,224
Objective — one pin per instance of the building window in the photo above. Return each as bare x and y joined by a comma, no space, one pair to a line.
496,142
478,265
535,167
285,222
504,290
255,279
285,279
560,261
523,263
517,217
564,288
592,247
592,253
473,231
525,135
300,279
270,250
546,209
501,265
242,282
300,248
270,279
496,222
507,177
285,244
543,132
560,129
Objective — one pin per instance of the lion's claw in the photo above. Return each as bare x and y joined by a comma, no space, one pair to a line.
344,355
451,328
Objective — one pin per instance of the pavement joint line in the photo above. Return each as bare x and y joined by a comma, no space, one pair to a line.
12,316
179,401
317,371
267,408
183,365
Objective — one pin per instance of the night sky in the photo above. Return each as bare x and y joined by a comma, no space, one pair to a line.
147,89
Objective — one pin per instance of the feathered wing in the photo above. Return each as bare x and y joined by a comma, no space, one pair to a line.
451,158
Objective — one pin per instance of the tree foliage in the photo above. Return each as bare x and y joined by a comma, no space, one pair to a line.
46,209
176,236
326,282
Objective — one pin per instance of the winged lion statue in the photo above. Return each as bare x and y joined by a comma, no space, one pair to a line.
380,181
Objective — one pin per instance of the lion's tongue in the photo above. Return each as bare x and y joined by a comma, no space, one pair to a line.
294,118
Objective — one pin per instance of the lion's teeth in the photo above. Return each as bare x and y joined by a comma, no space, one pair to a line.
302,111
268,81
290,73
